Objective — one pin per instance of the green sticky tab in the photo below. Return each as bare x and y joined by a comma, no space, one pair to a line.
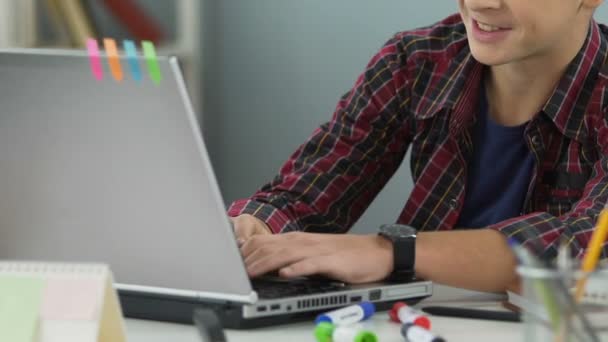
152,61
20,300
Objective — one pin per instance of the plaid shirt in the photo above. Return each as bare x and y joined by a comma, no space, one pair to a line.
422,90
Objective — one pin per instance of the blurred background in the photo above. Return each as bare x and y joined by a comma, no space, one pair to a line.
263,74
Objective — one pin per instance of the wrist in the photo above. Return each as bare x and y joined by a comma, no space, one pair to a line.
385,254
259,224
426,254
421,249
265,226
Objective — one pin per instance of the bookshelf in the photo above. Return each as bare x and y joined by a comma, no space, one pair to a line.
18,24
32,23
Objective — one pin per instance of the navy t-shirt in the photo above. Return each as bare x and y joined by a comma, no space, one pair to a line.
498,174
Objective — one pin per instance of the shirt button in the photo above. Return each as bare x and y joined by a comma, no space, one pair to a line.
453,203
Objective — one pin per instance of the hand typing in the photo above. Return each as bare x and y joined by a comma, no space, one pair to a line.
348,258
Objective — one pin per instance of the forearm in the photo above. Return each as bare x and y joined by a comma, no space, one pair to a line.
478,260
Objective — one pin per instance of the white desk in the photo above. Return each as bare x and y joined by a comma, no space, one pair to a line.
452,329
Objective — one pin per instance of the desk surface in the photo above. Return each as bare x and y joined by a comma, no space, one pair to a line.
452,329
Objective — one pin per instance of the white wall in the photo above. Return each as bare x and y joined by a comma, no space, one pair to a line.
274,70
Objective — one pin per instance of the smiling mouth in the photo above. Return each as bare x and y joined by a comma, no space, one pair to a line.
488,27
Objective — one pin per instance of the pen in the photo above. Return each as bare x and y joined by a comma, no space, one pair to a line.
564,265
402,313
415,333
327,332
348,315
549,298
209,325
593,252
493,315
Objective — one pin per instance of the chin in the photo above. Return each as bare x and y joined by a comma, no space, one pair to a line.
489,56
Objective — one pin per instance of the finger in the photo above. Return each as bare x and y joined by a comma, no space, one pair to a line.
277,254
289,241
255,242
254,255
277,258
321,265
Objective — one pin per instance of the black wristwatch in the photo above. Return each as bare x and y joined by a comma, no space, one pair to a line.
403,239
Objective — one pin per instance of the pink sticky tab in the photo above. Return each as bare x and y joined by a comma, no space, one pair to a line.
72,298
95,59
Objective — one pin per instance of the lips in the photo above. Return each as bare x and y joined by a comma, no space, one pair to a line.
489,33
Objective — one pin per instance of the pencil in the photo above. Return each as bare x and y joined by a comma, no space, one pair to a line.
594,250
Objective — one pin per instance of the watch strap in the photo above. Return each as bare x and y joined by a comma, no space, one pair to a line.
404,259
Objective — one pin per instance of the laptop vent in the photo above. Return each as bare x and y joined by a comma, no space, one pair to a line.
325,301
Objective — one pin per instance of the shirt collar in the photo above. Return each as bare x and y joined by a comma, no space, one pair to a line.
568,104
459,90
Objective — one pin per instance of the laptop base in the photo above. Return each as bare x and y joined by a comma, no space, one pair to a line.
180,310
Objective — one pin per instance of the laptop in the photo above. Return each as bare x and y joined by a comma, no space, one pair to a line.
95,169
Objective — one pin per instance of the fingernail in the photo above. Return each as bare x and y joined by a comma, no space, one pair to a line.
240,242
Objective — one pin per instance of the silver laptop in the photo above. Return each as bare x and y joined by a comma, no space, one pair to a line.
100,170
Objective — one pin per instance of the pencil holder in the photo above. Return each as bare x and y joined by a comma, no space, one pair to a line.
553,312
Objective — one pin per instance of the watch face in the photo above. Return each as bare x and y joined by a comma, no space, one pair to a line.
398,230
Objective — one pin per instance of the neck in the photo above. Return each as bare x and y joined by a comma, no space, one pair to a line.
517,91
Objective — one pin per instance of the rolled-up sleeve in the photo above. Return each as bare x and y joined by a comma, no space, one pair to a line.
544,232
332,178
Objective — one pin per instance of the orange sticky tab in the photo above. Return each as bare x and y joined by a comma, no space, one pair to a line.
113,59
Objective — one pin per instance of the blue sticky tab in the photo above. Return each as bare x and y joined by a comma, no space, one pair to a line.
131,52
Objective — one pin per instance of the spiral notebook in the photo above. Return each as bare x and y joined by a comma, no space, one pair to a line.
55,302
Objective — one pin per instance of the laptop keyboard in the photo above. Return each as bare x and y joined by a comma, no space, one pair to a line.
275,287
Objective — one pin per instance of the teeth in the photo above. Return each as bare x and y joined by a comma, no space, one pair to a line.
487,28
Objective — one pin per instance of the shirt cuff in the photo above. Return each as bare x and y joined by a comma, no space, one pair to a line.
274,218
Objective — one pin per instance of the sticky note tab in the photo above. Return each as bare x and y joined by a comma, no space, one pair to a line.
94,58
20,300
72,298
113,58
150,55
131,52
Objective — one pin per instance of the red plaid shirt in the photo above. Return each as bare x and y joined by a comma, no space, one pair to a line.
422,90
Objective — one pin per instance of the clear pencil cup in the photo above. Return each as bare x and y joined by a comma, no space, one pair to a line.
551,310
